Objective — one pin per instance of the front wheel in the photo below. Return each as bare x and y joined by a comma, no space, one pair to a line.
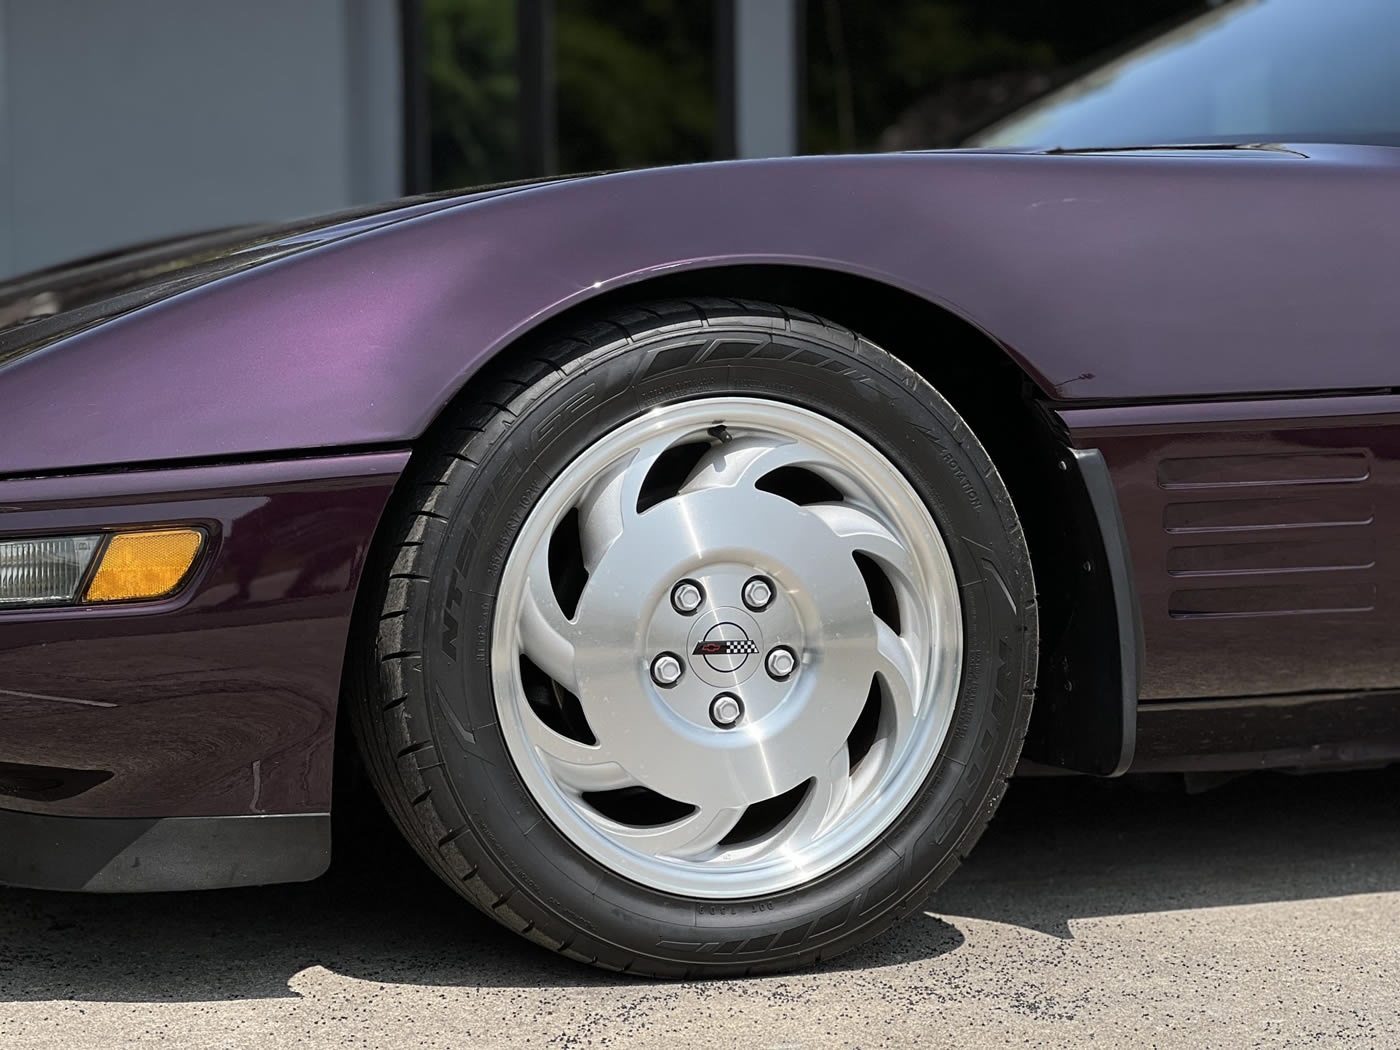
703,645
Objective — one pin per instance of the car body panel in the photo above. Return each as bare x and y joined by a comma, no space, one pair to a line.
219,701
40,308
1107,276
1263,541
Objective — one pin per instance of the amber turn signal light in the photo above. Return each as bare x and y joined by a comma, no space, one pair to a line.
143,565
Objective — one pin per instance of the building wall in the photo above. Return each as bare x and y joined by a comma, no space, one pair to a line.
133,120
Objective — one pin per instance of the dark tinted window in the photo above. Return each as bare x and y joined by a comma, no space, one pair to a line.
1251,71
918,74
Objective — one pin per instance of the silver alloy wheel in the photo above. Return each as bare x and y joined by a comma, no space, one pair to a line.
821,761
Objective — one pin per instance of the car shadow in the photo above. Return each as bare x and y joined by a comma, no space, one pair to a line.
1069,849
1060,850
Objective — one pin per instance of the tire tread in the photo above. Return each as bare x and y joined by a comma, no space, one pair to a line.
385,731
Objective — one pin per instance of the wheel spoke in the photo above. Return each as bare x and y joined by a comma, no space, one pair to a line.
896,669
602,515
823,805
863,533
743,461
611,500
546,634
690,836
582,767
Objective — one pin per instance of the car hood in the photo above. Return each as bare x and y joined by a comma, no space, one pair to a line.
40,307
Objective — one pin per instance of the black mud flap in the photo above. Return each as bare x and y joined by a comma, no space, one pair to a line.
1085,716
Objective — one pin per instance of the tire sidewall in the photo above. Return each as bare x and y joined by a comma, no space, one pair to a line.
861,388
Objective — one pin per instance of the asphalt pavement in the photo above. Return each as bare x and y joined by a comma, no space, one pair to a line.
1264,913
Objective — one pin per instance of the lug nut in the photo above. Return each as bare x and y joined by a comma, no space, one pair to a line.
666,670
686,597
781,662
726,710
758,593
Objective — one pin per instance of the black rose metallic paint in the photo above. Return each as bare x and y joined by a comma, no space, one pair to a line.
1216,333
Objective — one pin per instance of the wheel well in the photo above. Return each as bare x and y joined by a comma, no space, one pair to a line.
989,390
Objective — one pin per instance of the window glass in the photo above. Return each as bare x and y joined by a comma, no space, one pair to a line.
918,74
1251,71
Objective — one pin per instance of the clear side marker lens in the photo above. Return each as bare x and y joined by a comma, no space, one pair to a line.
45,569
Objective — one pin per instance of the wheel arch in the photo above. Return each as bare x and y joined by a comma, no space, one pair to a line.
1086,703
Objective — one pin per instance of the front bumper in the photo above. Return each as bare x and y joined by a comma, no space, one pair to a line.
219,702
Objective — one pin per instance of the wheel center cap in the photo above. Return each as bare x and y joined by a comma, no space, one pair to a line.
725,647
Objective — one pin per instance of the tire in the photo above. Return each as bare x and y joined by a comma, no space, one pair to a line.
440,733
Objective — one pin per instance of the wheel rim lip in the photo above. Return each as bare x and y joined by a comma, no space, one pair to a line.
899,782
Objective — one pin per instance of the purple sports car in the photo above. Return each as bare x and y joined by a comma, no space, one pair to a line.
690,555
